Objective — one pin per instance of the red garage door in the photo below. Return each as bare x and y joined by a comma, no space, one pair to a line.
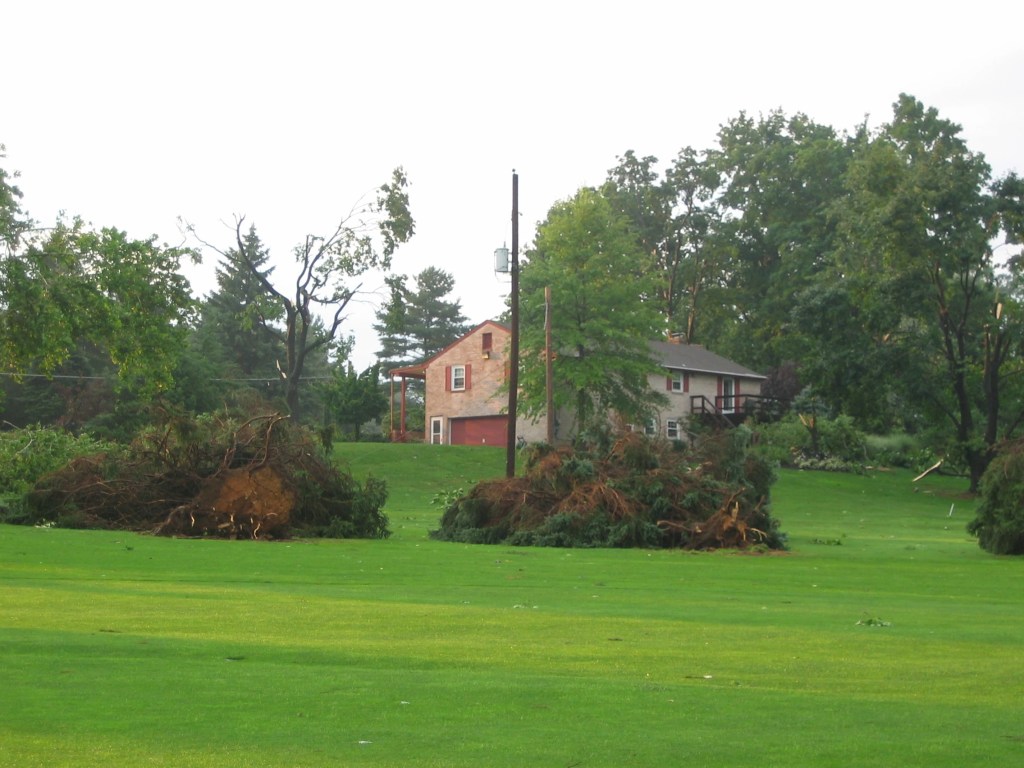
481,430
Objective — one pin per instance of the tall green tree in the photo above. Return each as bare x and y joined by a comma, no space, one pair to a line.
14,223
923,211
602,314
781,176
101,287
418,322
397,346
363,240
240,325
353,399
675,220
435,319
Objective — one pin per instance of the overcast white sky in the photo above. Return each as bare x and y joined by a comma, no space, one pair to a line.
131,114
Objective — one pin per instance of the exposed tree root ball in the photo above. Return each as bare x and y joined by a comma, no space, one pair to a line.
237,503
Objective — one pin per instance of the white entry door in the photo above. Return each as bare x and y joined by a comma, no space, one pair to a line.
728,395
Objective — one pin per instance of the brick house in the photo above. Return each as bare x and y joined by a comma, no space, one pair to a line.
464,401
466,404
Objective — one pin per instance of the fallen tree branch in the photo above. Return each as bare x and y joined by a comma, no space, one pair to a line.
928,471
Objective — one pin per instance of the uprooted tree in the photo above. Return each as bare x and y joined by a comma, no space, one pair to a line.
249,472
631,492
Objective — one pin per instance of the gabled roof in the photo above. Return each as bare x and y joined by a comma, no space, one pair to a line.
671,355
692,357
419,370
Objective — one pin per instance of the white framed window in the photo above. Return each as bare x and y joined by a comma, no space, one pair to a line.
437,430
651,427
672,429
677,381
458,378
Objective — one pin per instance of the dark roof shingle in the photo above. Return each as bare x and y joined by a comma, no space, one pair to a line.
691,357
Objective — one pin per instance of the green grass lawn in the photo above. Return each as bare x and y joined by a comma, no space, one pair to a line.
885,636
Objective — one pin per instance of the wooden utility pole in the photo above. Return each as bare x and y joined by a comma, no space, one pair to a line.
513,373
549,403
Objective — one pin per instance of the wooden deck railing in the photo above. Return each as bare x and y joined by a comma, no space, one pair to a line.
737,408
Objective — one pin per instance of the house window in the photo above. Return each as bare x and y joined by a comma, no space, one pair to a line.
677,381
672,429
458,378
436,431
651,427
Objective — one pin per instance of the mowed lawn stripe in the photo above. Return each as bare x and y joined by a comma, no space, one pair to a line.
888,640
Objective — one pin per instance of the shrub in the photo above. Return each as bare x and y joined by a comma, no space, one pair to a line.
999,520
816,442
900,449
26,455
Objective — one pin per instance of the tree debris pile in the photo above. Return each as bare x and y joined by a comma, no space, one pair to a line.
229,474
636,492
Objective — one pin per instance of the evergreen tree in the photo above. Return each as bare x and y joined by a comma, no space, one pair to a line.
418,323
236,316
392,326
435,321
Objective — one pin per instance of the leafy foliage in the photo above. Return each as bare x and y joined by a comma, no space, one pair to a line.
13,221
900,450
126,296
238,323
353,399
28,454
601,320
779,175
675,222
814,442
923,211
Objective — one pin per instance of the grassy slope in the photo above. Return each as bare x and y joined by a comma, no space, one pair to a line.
142,651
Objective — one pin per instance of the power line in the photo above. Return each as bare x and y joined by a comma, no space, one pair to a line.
84,377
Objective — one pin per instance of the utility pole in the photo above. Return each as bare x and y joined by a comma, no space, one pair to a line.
549,368
513,373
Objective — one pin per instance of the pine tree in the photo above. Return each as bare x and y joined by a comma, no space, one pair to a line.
234,316
417,324
435,321
392,326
